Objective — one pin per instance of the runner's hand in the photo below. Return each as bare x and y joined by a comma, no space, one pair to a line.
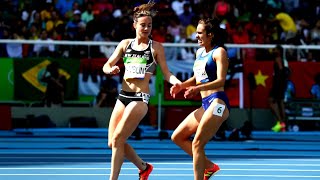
114,70
175,89
191,92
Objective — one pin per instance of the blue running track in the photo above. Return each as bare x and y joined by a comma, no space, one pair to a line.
83,155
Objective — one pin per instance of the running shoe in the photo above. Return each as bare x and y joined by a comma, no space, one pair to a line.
283,127
143,175
276,127
279,127
208,173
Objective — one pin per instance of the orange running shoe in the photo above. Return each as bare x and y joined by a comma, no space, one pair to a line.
143,175
208,173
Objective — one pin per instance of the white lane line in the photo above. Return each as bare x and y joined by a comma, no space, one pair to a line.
169,175
165,169
163,163
163,153
242,164
153,158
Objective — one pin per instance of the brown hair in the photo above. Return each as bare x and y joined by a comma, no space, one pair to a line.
213,26
144,10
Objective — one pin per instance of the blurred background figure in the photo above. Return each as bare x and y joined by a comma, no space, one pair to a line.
15,50
222,9
44,50
279,86
286,23
290,92
315,89
56,86
108,92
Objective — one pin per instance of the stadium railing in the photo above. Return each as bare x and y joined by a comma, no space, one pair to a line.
298,48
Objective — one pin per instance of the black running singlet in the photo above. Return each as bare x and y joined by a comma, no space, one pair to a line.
137,63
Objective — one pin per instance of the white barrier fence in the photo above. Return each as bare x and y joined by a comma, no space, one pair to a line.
298,48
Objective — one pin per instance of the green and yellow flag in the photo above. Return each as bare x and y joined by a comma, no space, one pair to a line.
28,73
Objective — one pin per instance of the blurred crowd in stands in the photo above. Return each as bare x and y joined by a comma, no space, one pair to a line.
246,22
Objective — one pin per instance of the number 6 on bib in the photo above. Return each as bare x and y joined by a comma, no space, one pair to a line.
219,109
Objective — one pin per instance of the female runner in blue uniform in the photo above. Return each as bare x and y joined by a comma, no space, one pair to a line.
210,71
140,56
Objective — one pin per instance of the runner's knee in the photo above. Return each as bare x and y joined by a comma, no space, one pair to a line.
117,140
197,144
176,137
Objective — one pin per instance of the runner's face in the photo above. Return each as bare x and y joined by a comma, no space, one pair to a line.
143,26
203,38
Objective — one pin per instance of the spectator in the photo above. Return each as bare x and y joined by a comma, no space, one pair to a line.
73,25
290,91
55,23
159,34
288,29
34,32
25,12
36,13
80,51
240,35
315,31
250,54
174,28
45,14
120,32
103,50
14,50
291,5
56,86
44,50
275,4
75,7
87,15
35,19
191,29
222,9
63,6
315,89
102,5
257,27
94,26
187,15
177,6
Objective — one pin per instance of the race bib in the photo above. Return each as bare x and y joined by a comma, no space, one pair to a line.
134,67
200,71
219,109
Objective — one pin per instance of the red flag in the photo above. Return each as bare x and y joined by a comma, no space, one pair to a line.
262,72
302,76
